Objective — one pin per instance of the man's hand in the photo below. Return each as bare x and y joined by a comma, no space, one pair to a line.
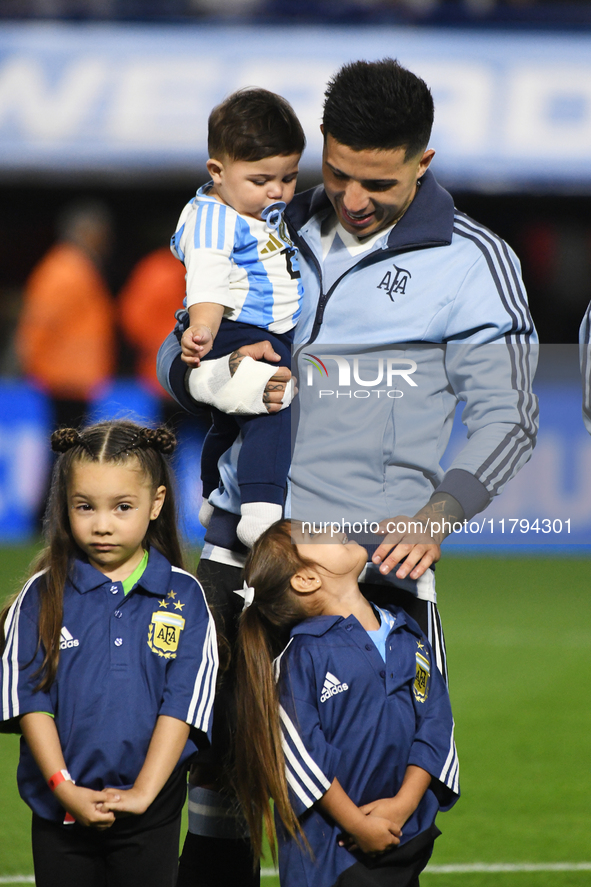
409,543
196,342
275,387
418,538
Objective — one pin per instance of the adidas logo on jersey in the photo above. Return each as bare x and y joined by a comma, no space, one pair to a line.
273,244
332,687
66,639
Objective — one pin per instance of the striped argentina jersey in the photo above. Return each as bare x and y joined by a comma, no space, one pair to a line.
347,714
239,262
124,661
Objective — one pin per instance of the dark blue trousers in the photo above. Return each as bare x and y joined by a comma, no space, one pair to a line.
265,455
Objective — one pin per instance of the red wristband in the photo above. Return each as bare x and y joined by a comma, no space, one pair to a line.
60,776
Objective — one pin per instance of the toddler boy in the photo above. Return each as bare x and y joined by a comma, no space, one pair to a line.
243,278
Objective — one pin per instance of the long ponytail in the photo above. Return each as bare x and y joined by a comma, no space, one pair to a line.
262,635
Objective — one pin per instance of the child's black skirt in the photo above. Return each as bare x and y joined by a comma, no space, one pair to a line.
399,867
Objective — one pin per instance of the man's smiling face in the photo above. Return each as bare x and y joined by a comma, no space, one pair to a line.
372,188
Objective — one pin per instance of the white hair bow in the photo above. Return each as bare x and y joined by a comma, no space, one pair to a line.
247,592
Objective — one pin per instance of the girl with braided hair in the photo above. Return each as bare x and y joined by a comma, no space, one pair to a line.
108,665
343,717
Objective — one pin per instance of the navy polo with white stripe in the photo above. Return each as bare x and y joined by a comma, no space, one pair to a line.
124,660
348,714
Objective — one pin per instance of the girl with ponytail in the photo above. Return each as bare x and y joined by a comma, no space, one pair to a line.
343,720
108,665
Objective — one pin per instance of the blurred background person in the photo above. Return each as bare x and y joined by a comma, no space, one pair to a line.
154,290
65,337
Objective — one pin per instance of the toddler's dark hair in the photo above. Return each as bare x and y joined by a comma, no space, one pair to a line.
252,124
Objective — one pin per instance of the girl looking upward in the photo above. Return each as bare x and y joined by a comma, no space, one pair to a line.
354,743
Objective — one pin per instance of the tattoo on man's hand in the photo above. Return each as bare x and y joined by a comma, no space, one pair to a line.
234,361
439,515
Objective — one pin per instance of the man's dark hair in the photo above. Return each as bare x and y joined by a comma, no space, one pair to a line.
378,105
252,124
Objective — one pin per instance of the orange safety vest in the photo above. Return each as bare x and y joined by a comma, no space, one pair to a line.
154,290
65,338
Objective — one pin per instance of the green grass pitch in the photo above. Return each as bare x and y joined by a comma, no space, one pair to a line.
518,634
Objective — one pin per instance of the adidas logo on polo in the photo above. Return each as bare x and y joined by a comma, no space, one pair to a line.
332,686
66,639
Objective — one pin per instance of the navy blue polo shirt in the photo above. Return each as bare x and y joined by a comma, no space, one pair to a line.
124,660
347,714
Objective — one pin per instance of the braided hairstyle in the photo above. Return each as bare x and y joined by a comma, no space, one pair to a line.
113,437
118,442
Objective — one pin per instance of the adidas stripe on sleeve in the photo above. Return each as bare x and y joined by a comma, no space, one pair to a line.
191,677
495,279
199,713
434,747
501,412
450,773
20,660
310,761
305,778
493,374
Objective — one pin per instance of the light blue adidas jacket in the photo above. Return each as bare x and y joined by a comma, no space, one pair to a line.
440,278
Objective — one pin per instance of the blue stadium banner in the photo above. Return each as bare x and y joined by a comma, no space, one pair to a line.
25,458
512,108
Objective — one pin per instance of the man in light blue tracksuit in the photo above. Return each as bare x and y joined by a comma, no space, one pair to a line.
391,271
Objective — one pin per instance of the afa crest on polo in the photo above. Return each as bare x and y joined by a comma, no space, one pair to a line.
423,670
165,629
